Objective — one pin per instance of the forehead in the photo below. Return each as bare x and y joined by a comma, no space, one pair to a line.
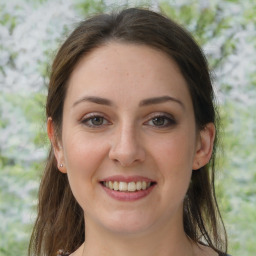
127,72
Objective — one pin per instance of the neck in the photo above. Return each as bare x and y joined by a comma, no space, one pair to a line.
169,240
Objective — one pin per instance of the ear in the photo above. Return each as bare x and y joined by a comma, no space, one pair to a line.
204,146
57,147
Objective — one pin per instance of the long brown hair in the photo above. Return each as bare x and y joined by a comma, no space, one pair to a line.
60,222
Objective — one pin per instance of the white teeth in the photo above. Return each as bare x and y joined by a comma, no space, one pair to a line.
124,186
138,185
131,186
116,185
144,185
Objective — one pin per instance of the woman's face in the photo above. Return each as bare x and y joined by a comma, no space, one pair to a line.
129,141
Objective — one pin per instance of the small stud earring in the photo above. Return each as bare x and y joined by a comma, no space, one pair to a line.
61,165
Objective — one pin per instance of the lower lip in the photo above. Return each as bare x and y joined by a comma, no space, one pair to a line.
128,196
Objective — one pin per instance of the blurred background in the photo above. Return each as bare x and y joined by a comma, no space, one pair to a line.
30,34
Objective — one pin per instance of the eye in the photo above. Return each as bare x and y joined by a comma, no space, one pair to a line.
161,121
94,120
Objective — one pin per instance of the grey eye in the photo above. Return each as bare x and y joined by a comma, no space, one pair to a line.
159,121
97,120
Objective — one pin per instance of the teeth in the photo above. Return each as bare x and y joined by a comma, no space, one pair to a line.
123,186
144,185
131,186
138,185
116,185
127,186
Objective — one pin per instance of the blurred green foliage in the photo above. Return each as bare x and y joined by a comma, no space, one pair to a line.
225,30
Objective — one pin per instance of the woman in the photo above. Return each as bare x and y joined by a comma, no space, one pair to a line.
132,124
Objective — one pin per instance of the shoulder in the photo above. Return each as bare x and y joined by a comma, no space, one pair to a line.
62,253
78,252
204,250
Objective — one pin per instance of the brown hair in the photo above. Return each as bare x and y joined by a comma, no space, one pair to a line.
60,222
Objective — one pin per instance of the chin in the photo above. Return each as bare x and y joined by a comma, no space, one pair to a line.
128,225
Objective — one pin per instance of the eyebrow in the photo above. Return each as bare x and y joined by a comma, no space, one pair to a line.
97,100
158,100
146,102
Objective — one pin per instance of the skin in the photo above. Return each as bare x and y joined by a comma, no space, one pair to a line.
128,141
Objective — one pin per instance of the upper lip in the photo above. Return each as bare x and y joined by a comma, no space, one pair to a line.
127,179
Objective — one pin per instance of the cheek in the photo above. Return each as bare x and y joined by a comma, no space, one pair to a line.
82,152
83,157
174,160
176,151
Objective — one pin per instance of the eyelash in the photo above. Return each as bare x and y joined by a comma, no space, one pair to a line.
168,121
90,117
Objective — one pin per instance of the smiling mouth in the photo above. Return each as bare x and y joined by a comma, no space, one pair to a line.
123,186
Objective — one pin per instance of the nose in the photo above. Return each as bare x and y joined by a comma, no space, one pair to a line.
126,147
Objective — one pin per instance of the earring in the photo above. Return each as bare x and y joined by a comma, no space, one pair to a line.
61,165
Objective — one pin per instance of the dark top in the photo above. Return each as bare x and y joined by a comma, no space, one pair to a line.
63,253
67,254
